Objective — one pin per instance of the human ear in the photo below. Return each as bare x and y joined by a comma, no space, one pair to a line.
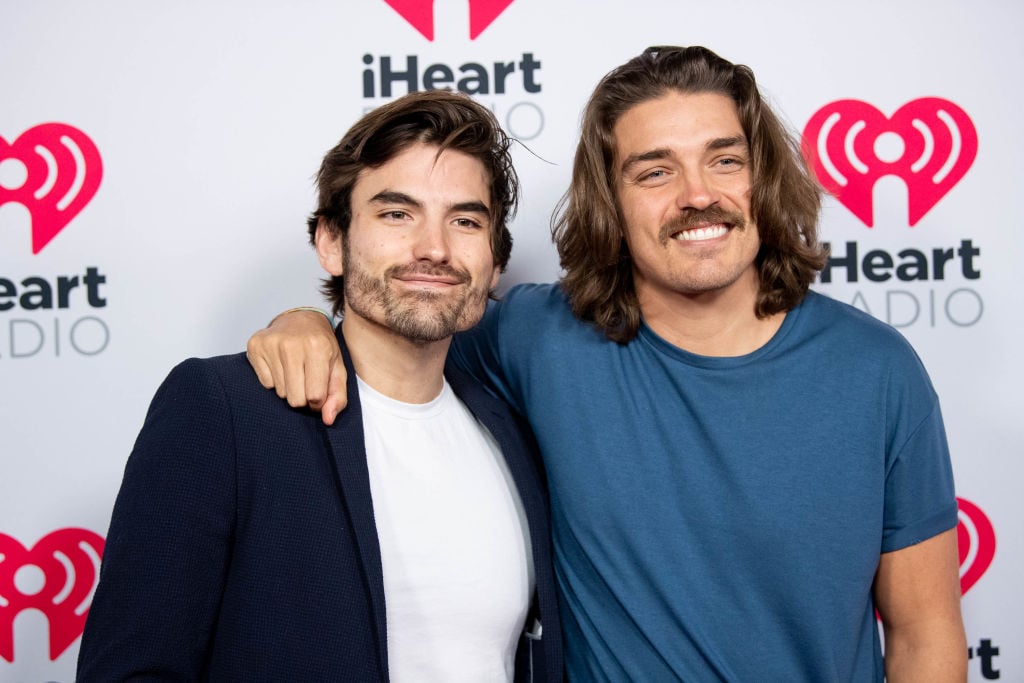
329,247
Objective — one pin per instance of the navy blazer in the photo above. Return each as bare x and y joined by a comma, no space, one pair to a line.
243,546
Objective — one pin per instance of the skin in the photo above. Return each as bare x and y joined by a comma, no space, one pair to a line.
683,187
683,167
917,592
417,263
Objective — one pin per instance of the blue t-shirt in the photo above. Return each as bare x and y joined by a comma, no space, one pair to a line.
722,518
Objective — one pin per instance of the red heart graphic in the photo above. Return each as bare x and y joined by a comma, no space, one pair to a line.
939,145
63,170
420,14
976,539
482,13
70,561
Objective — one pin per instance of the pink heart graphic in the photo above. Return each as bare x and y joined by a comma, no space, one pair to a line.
70,562
63,170
420,14
939,144
976,539
482,14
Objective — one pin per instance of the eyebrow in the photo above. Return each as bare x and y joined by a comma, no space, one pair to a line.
471,207
640,157
665,153
724,143
394,197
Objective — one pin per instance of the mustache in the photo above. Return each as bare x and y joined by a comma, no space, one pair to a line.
436,270
692,218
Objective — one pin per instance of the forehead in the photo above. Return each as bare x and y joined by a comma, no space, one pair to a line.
676,121
426,173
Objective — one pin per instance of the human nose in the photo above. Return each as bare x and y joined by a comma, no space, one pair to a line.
432,242
696,190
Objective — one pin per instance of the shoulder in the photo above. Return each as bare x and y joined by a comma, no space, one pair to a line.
532,298
204,388
228,374
541,309
232,368
876,350
821,314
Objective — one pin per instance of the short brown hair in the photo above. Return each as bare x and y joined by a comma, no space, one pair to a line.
587,226
450,120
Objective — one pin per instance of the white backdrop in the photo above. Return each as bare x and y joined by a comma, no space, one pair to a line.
208,120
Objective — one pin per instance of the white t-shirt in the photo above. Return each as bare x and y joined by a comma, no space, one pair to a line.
454,542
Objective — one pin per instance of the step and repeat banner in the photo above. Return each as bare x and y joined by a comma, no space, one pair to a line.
156,164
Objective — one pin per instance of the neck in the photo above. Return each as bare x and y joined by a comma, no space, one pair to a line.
714,323
407,371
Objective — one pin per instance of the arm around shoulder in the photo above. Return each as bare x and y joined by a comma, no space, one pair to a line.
298,356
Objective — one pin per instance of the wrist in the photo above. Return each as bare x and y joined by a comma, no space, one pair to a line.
310,309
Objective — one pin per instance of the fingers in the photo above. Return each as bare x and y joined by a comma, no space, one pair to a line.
259,364
296,356
337,393
265,362
319,360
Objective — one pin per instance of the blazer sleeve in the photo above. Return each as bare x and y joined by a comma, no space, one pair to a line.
168,548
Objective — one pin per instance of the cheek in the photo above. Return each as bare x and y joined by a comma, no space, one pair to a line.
380,251
641,231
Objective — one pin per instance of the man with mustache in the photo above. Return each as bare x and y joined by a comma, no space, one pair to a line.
741,470
410,540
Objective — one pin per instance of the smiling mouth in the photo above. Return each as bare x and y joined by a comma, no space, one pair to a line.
695,226
440,278
432,282
708,232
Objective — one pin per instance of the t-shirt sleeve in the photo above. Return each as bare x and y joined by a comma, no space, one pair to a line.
920,501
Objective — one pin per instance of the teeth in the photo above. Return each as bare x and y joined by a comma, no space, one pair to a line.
697,234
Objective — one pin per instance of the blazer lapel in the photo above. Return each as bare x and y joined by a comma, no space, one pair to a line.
348,454
497,417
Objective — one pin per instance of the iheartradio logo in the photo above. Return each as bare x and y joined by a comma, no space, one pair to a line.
53,170
929,143
976,539
57,577
420,14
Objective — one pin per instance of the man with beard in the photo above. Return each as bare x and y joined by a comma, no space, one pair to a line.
408,541
741,470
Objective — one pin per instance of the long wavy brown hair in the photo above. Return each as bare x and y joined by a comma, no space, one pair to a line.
588,227
450,120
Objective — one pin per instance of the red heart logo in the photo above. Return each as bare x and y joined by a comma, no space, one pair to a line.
976,539
845,143
420,14
62,171
69,560
482,13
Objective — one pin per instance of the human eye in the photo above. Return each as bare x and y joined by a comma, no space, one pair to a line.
394,215
468,222
730,163
651,176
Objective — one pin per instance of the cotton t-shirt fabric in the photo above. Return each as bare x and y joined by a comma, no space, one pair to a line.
721,519
454,540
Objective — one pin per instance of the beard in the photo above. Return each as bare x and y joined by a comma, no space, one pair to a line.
420,316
